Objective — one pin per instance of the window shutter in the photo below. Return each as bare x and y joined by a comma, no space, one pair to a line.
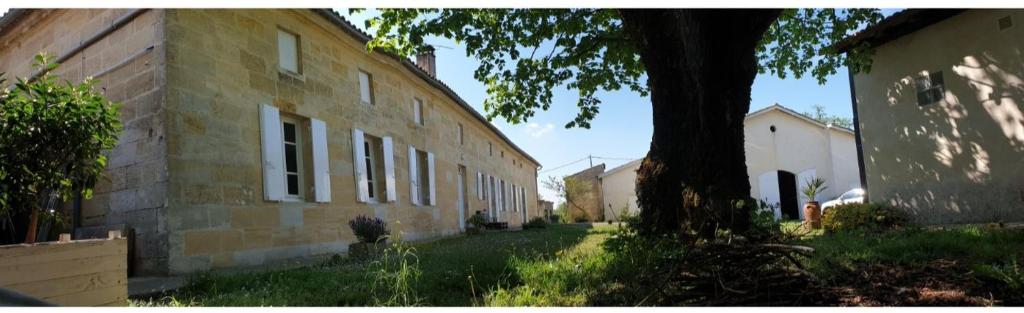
479,185
501,195
389,169
273,156
414,190
526,205
321,169
515,198
359,166
430,178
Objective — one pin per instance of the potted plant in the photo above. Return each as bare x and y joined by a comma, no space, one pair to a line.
812,210
372,234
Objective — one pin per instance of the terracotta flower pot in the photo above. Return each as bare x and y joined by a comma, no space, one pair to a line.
812,214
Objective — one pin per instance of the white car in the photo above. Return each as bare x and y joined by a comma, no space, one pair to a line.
855,195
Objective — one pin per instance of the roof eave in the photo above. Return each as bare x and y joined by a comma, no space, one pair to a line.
347,26
895,26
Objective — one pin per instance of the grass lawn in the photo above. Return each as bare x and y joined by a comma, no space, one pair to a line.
565,265
458,271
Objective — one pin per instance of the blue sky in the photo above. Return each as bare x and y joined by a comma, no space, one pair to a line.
622,130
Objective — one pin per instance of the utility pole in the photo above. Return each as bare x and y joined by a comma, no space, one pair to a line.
591,157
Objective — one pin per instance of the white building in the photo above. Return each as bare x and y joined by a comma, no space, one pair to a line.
783,149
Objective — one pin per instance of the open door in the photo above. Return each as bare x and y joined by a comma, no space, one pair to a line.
788,195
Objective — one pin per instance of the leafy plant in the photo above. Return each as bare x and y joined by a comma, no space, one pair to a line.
369,230
812,187
536,223
52,138
396,275
863,216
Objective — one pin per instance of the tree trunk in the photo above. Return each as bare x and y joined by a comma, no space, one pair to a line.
33,224
700,67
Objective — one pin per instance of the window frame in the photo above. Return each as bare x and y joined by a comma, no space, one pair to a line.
376,174
462,133
423,177
299,159
935,89
370,87
298,52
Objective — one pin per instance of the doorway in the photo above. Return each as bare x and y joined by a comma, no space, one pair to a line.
788,195
461,201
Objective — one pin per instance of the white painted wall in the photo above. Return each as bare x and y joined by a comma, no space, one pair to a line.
801,147
618,187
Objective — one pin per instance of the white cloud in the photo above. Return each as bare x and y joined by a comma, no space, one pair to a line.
536,130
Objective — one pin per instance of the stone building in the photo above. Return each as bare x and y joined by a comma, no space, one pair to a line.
586,205
253,136
940,115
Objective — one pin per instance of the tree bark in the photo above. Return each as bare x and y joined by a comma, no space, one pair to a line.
33,224
700,67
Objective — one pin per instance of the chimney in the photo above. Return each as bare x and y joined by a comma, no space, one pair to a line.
425,60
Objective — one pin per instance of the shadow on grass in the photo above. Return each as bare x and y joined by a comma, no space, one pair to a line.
918,267
457,271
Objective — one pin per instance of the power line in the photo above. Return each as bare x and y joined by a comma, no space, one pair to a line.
564,165
589,157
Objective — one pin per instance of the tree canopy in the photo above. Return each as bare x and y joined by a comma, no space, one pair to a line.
525,54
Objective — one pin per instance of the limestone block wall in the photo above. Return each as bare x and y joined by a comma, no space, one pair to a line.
222,64
128,64
591,206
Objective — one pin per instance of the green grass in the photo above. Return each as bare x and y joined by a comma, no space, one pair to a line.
973,245
566,265
458,271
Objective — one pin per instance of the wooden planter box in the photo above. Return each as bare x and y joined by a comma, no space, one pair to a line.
92,272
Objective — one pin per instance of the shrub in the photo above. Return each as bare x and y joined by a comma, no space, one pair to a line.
369,230
53,136
864,216
536,222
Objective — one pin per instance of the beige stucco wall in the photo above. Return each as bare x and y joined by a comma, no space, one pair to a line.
223,63
961,160
128,64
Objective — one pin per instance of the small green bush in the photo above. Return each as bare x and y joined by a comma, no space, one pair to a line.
476,222
864,216
536,223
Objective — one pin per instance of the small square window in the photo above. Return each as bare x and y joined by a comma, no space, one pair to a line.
462,140
366,87
288,51
490,149
417,111
930,88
